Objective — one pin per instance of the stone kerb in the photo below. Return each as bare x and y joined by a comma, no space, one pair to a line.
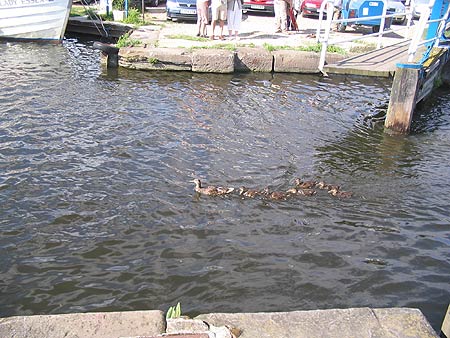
93,325
244,59
357,323
213,61
155,58
292,61
250,59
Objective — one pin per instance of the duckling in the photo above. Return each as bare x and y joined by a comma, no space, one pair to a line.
243,191
275,195
210,190
304,184
333,187
278,195
292,191
307,192
340,194
326,186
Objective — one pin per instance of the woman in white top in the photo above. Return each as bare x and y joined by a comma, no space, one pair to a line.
234,17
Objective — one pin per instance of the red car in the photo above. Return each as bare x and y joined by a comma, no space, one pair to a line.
259,6
310,7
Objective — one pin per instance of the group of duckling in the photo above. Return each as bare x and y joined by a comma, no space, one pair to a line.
301,188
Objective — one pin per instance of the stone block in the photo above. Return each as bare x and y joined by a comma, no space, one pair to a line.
250,59
181,325
93,325
292,61
404,323
357,323
156,58
213,61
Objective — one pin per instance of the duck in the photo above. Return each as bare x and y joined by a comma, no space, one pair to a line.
339,193
211,190
243,191
304,184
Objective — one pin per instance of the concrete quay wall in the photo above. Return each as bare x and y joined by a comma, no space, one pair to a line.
353,322
242,59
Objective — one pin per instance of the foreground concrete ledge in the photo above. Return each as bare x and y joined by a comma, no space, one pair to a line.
214,60
98,325
342,323
357,322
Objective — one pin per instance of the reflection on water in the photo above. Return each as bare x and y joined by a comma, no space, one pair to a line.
97,212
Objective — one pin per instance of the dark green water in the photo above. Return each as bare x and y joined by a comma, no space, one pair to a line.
97,212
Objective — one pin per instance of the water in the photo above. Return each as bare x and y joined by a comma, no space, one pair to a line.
98,214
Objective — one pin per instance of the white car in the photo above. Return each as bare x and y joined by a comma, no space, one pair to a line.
398,8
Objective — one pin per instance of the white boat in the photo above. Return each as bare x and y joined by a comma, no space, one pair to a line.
34,19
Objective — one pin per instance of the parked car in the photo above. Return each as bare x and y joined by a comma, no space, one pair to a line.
182,10
419,7
364,10
310,7
259,6
398,8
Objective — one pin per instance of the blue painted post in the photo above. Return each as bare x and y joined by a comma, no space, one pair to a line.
126,8
436,13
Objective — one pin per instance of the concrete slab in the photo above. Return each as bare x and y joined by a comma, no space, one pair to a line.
356,322
78,325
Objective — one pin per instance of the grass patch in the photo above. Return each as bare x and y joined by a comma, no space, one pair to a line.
126,41
89,13
316,48
77,11
227,46
187,37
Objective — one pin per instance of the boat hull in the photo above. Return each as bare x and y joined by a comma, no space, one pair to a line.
34,19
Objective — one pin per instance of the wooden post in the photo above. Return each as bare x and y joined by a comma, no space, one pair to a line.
403,99
111,52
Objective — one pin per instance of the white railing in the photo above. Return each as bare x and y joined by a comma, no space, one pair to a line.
323,29
424,22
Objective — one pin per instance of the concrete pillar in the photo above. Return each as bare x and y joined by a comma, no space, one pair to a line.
403,99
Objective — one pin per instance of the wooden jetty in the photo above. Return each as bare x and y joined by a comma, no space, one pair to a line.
381,62
95,28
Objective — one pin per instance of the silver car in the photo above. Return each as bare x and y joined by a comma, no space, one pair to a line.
398,9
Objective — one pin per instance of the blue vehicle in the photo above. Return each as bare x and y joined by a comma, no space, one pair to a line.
352,9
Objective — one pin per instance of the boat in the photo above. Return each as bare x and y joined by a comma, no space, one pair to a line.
34,19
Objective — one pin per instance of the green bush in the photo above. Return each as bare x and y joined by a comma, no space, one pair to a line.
118,4
134,17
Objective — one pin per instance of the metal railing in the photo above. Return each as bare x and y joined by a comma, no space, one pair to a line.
424,23
324,27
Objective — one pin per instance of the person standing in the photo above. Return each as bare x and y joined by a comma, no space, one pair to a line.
202,17
234,17
280,7
219,13
336,13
